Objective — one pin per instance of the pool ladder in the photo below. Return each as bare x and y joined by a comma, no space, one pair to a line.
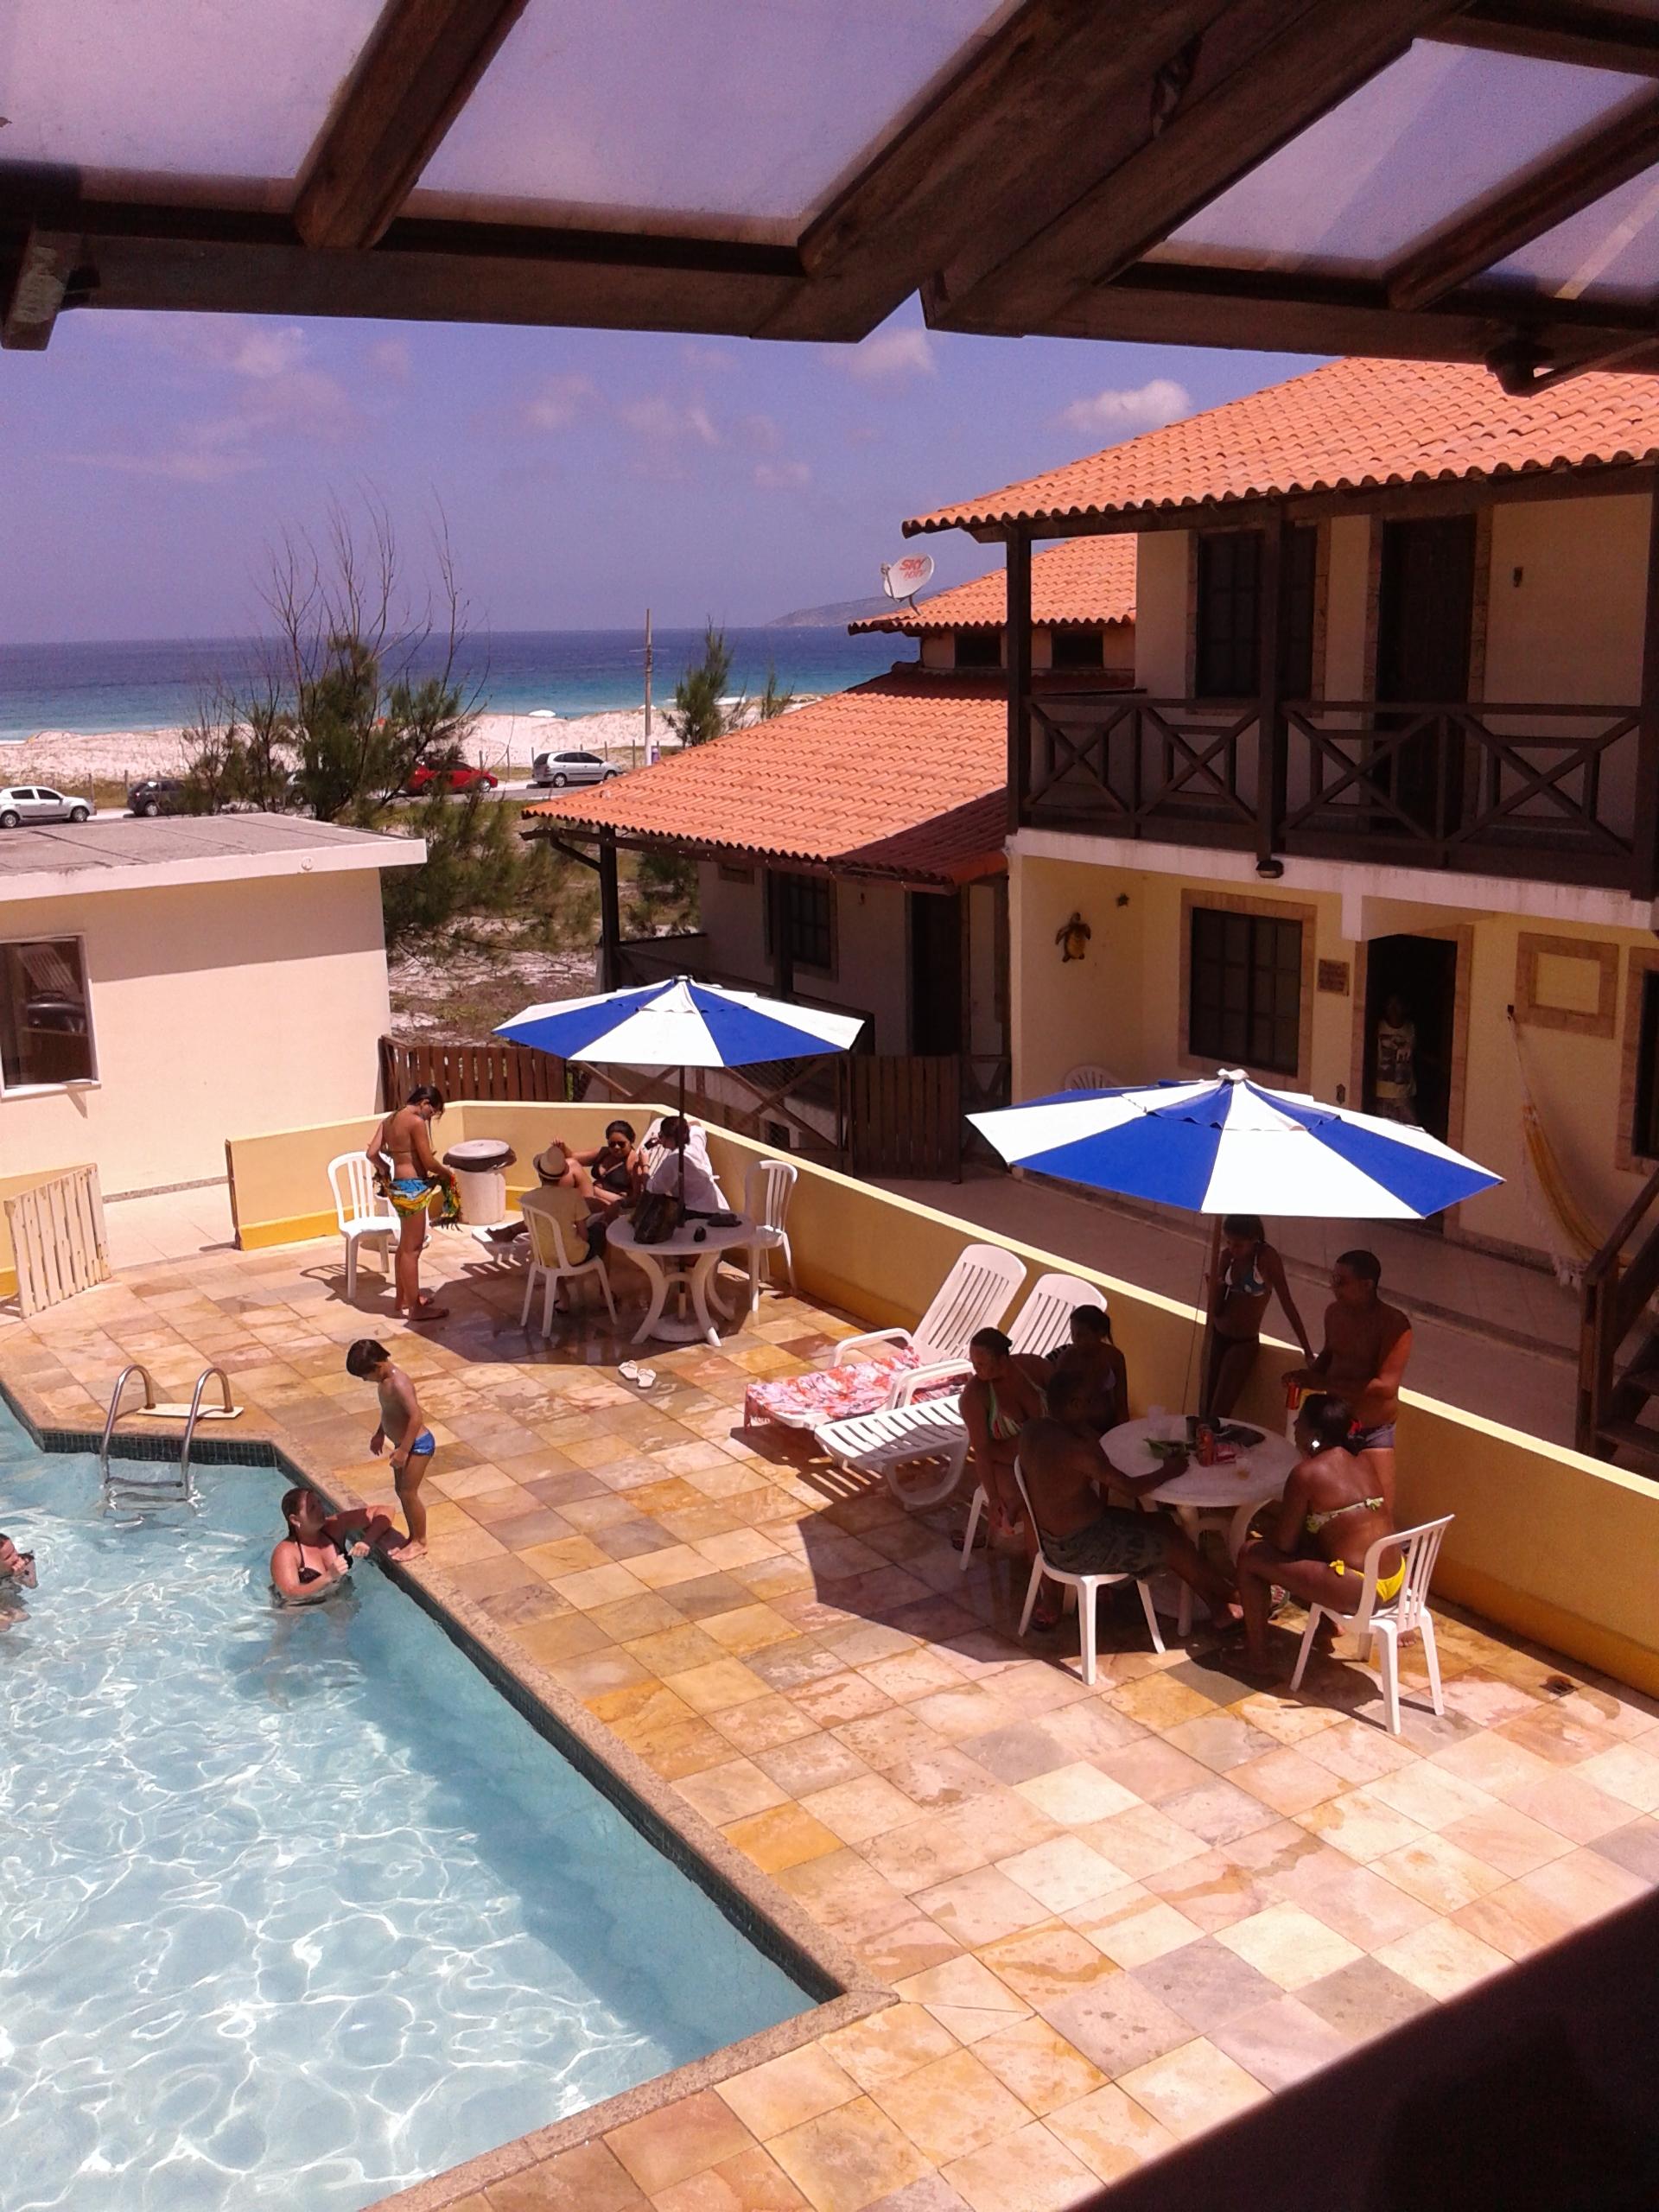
174,1486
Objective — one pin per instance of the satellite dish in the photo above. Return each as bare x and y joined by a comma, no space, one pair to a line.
904,579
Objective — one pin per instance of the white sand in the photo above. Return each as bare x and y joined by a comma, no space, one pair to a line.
502,742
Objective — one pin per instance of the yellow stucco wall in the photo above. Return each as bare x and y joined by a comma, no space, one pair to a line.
1160,612
1546,1543
215,1008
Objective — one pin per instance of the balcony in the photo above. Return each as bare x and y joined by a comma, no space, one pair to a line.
1549,791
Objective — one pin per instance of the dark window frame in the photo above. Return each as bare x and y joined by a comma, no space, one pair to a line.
1245,990
1645,1117
1075,648
1227,617
16,993
808,907
984,648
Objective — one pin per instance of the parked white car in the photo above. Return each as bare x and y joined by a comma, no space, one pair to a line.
21,803
559,769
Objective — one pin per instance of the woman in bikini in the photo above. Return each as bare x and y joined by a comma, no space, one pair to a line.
411,1175
1005,1392
1250,1274
317,1553
1328,1519
1091,1356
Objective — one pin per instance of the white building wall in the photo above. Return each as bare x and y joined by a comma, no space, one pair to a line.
1161,616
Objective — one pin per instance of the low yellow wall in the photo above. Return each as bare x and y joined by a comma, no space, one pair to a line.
12,1186
1547,1544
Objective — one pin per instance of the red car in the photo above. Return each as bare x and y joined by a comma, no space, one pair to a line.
458,779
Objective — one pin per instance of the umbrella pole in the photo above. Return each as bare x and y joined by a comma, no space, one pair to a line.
1202,1327
683,1148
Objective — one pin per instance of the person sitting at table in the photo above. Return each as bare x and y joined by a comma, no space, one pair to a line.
683,1169
1005,1392
1090,1352
1363,1361
1330,1517
1066,1472
605,1178
1250,1274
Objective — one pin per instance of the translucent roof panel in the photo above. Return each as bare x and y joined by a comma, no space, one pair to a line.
1443,126
1611,249
749,111
222,88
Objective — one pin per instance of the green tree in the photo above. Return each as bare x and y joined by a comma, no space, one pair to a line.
697,714
774,700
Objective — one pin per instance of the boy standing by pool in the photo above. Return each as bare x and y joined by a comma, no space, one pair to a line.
403,1428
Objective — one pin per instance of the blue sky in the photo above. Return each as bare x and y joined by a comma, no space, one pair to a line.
146,462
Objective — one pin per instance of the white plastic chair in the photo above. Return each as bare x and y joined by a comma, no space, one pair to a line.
365,1217
1386,1623
1084,1585
1089,1075
551,1264
1042,1324
767,1189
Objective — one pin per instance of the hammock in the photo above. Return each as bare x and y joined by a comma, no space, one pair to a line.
1569,1234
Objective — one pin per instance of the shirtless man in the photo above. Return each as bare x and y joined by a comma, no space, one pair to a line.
412,1174
1367,1345
1065,1470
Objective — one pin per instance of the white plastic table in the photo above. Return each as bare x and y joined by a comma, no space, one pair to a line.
1228,1494
681,1265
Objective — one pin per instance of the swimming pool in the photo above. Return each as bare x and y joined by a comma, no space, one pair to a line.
297,1908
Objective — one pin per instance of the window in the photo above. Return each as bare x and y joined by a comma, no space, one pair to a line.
45,1032
807,905
1245,995
1644,1132
1229,658
728,872
1077,649
979,649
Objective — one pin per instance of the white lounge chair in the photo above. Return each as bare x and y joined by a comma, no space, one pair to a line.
1084,1585
862,1378
365,1217
929,1432
551,1264
1387,1623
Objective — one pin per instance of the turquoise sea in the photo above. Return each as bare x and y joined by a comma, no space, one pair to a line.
159,683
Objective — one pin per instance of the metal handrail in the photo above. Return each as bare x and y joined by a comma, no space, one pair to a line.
202,1381
120,1380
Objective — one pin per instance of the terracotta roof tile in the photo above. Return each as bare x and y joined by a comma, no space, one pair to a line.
1087,580
1352,424
901,776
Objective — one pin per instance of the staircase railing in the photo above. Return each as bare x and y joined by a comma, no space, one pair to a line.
1613,1295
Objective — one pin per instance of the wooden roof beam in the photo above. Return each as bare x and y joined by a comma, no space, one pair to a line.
1547,195
411,81
1544,30
1185,154
42,276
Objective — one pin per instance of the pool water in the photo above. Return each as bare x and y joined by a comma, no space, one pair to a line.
298,1910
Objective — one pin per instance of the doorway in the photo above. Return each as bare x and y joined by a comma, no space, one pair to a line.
1425,610
1422,973
935,972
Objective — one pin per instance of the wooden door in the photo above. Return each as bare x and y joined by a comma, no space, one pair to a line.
935,972
1424,615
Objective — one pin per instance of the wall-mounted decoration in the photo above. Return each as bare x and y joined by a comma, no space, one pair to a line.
1073,937
1333,977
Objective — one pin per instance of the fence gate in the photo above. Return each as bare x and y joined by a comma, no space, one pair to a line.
58,1246
902,1115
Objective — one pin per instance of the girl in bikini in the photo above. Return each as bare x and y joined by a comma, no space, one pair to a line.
1250,1274
1330,1517
1005,1392
412,1176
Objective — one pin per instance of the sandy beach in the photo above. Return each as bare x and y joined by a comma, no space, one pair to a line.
505,743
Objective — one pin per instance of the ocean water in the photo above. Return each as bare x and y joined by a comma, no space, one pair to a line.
298,1910
160,684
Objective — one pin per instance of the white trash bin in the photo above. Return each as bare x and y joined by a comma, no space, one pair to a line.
480,1166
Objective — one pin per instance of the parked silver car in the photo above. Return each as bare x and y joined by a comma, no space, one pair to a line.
21,803
559,769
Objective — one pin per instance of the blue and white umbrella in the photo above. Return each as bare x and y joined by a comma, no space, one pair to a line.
683,1023
1227,1145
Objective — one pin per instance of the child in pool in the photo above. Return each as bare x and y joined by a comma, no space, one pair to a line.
403,1428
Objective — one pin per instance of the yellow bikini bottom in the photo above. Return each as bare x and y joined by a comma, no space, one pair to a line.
1387,1585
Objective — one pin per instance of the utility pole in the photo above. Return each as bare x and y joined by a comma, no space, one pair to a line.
647,685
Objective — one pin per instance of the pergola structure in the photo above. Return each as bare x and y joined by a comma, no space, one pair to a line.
1393,177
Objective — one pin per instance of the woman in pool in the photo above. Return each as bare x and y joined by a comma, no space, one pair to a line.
317,1553
412,1177
16,1575
1329,1518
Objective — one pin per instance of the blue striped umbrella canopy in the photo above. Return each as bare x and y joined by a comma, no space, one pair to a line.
1229,1145
681,1023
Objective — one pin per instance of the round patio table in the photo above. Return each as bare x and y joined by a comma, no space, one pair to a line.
685,1267
1226,1496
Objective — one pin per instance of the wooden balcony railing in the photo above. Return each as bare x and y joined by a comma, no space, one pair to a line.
1498,788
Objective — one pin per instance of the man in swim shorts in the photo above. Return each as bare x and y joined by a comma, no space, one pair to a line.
1366,1346
403,1427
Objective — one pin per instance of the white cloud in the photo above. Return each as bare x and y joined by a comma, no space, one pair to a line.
782,475
556,402
668,421
1139,407
718,359
389,357
887,355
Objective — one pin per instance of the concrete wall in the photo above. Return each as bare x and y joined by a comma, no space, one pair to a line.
1546,1543
1160,612
214,1007
872,967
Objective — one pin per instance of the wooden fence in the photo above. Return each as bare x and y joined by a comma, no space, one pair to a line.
493,1070
58,1245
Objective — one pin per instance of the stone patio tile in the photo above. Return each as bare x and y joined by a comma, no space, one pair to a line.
731,1792
752,2182
886,2047
1143,1841
1442,1960
844,2160
1569,1804
861,1807
1364,1998
720,1683
1205,1982
763,1725
1062,1873
1281,2042
786,2091
951,2106
1365,1907
1117,2023
1029,2171
1041,2068
1440,1873
586,2179
1131,1925
980,1907
1192,2088
678,2140
784,1837
1076,1795
1111,2132
1635,1846
1585,1886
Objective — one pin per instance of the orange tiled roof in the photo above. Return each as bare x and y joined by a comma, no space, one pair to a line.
1352,424
1084,581
902,777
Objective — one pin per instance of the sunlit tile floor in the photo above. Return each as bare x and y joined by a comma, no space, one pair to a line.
1113,1917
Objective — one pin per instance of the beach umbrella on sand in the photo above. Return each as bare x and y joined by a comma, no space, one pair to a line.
1229,1145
